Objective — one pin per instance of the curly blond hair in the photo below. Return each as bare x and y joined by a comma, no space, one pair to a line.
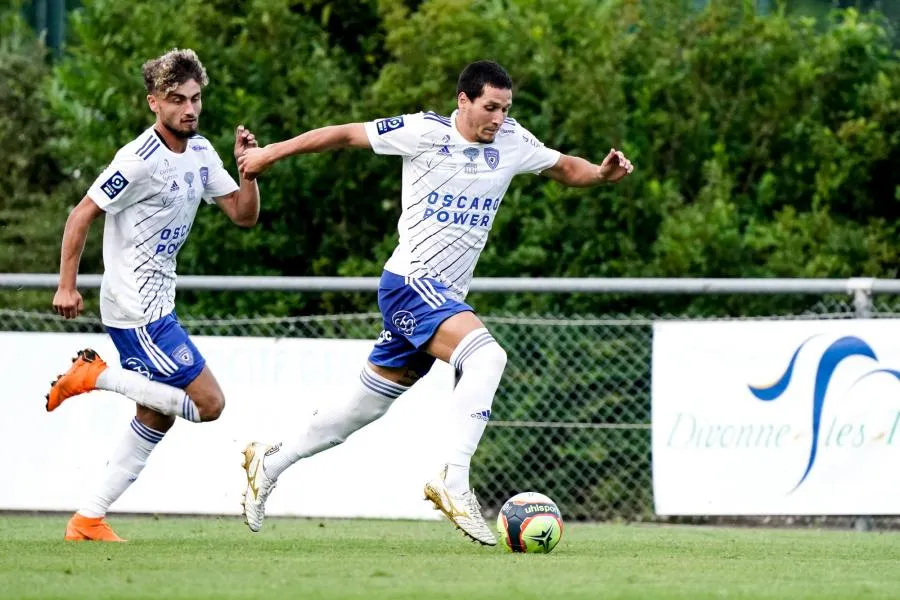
164,74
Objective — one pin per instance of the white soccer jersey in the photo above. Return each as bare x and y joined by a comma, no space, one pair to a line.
150,195
452,189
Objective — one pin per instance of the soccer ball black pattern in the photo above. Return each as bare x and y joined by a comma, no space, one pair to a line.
530,522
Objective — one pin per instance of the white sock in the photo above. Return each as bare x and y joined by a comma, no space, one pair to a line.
457,478
334,421
123,468
481,361
162,398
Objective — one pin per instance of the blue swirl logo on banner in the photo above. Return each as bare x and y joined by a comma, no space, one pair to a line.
836,353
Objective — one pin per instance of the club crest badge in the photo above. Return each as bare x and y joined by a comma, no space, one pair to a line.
183,355
492,157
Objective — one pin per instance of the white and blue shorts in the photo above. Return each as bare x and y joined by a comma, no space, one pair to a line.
412,310
161,351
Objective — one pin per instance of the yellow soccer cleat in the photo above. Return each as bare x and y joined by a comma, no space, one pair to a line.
259,486
463,510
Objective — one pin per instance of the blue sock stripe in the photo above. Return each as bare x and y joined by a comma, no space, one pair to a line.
151,435
380,387
374,387
467,349
189,409
475,347
391,385
376,390
141,435
147,430
477,342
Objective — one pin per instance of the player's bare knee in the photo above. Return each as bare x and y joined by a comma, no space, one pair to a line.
211,407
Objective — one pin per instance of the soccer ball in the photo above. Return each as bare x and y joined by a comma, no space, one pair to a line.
530,522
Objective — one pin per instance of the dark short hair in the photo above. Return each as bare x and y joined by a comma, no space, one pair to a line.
167,72
480,73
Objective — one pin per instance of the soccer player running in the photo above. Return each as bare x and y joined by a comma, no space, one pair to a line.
456,171
149,194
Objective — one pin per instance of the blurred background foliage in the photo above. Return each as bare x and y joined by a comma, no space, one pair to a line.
765,136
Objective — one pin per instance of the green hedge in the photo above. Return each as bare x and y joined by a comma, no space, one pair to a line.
765,145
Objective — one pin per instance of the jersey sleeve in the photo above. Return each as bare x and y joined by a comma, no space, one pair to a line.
217,181
397,136
534,156
124,182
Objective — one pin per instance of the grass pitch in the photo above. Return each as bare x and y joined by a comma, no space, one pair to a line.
171,558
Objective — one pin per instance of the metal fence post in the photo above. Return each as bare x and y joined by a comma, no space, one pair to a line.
861,289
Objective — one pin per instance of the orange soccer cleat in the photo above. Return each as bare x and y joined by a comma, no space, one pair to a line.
84,529
80,378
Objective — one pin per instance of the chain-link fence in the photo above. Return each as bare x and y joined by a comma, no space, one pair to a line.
572,416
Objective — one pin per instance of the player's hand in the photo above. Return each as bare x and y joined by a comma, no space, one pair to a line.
615,166
243,139
68,303
253,162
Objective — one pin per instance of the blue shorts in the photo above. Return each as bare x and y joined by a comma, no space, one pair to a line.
161,351
412,310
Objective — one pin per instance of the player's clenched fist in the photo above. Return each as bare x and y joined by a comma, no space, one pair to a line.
615,166
243,139
68,303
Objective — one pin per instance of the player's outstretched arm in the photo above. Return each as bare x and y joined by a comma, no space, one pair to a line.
255,161
578,172
67,301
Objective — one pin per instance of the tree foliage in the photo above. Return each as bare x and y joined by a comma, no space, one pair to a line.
765,145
